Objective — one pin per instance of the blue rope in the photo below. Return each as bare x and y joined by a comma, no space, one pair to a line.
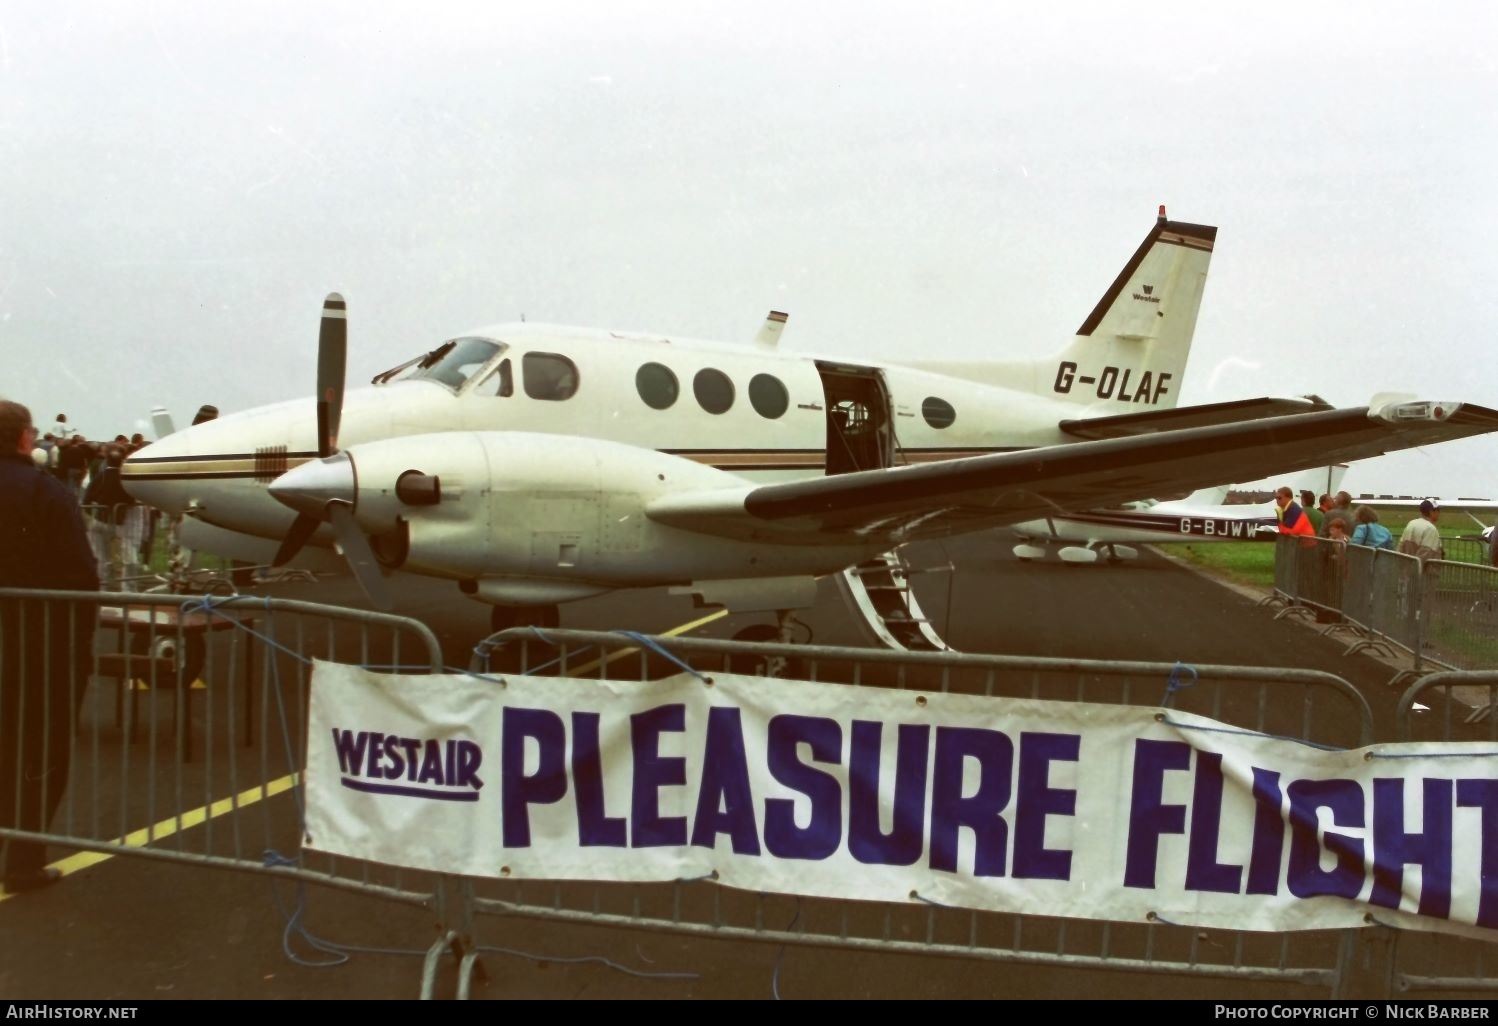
486,648
1175,683
555,661
293,920
1239,732
586,959
645,641
209,604
775,976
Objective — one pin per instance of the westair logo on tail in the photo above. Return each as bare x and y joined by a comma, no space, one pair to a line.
1146,295
442,769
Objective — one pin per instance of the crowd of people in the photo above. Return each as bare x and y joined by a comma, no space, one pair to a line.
1330,524
1334,518
121,532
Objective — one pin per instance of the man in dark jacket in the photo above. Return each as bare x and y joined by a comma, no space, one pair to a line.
45,646
115,544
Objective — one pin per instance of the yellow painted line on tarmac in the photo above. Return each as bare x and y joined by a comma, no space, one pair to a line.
621,653
167,827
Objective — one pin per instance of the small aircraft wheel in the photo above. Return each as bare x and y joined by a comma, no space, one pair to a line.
175,660
502,618
758,632
756,665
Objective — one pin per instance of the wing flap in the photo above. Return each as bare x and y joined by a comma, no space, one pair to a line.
1125,425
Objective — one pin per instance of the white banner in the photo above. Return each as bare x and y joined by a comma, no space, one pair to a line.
1043,808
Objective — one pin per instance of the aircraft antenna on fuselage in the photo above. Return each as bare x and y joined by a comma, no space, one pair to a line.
769,334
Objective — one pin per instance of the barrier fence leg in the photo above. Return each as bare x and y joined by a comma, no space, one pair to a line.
454,895
1366,964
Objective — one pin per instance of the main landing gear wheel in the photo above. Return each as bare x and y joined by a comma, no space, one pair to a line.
757,665
169,660
502,618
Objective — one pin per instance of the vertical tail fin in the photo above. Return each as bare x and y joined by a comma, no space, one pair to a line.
1132,348
1130,353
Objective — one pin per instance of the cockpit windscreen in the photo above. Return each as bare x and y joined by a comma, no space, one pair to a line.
454,363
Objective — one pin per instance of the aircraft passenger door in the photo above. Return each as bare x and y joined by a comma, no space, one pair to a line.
859,432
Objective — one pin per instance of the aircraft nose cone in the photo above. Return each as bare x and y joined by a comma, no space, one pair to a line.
310,487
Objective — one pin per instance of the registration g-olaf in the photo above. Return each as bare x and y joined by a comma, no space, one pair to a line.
535,465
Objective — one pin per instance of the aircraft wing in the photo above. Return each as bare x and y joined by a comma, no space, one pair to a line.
902,504
1150,421
1379,502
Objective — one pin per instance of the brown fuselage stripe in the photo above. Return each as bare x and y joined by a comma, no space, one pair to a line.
241,465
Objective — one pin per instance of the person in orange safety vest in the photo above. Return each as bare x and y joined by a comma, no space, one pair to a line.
1293,519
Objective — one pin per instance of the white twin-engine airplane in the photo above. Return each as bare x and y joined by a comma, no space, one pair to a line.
1202,516
536,465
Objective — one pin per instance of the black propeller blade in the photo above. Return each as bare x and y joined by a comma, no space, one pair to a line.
361,558
302,528
332,356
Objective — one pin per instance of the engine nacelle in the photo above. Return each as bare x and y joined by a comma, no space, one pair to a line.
553,508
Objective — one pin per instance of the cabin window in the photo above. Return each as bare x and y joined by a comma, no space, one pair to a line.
938,412
713,390
657,386
768,395
548,376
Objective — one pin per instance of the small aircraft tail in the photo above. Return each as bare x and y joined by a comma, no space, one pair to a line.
1217,495
1130,353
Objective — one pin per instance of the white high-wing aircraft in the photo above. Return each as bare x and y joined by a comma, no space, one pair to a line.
534,465
1113,533
1202,516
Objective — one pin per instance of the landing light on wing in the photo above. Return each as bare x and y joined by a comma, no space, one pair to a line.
1397,408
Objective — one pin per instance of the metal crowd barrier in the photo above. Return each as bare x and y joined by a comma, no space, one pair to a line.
180,722
1452,705
184,722
135,548
1459,602
1295,703
1443,613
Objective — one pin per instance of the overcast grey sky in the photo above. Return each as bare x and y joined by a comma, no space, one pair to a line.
182,183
